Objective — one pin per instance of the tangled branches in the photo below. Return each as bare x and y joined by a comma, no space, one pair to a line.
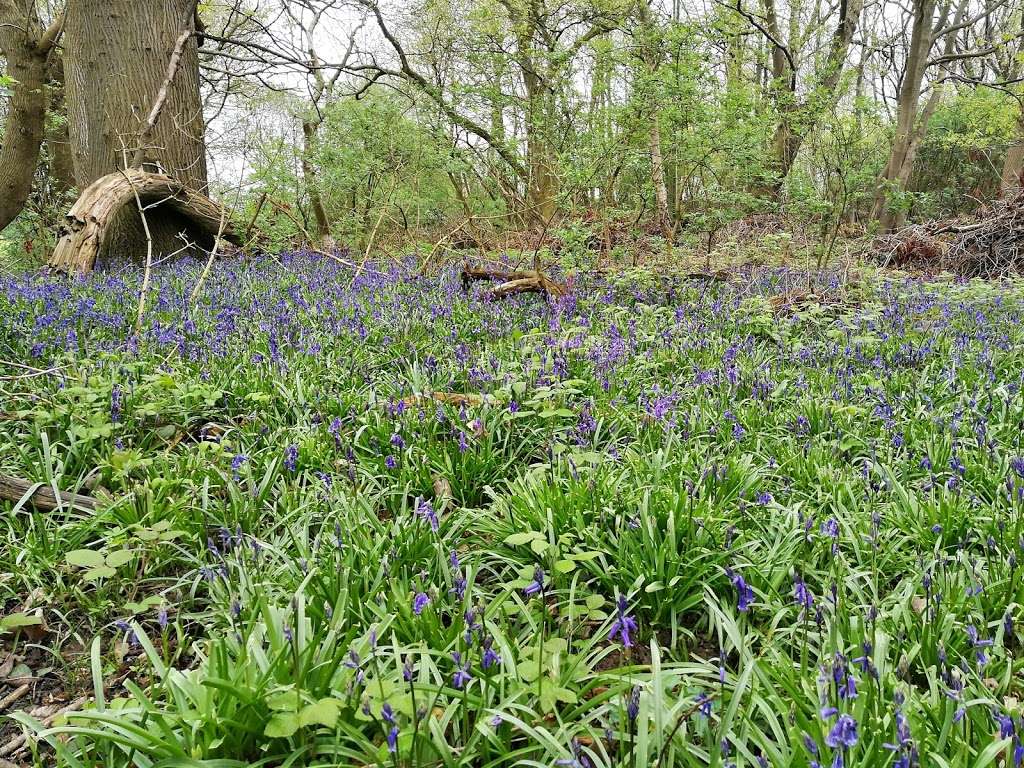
988,246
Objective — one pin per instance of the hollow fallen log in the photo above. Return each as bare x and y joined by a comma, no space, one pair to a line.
43,498
513,283
97,221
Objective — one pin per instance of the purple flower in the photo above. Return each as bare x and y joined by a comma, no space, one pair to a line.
291,458
801,595
744,594
461,676
426,511
623,624
236,465
633,705
843,733
419,602
489,658
393,739
115,403
537,585
390,462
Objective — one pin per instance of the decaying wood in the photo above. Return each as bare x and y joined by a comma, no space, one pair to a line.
513,283
43,498
17,744
87,225
448,398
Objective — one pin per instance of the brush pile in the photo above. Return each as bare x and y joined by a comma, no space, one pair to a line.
988,245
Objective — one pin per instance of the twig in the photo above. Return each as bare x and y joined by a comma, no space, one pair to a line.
213,257
10,698
17,744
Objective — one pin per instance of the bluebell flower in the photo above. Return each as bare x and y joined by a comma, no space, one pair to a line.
744,594
393,739
537,585
633,705
623,624
461,676
489,658
420,601
291,458
426,511
843,733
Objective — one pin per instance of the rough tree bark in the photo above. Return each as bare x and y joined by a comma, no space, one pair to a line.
115,63
26,45
132,92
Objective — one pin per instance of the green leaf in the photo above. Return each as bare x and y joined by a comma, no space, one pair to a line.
324,712
518,539
85,558
18,620
120,557
100,572
282,725
565,566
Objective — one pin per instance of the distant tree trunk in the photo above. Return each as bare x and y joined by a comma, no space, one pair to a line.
115,61
651,55
309,178
1013,166
25,44
909,128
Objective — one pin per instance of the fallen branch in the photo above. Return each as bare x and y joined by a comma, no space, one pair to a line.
513,283
535,284
18,744
11,698
448,398
42,497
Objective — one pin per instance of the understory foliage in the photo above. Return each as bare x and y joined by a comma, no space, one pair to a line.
667,525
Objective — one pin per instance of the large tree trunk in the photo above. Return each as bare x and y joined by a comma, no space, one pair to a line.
25,45
115,62
122,58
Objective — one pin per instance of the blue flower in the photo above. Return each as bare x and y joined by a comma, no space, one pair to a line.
393,739
426,511
537,585
744,594
461,676
291,458
419,602
623,624
843,733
